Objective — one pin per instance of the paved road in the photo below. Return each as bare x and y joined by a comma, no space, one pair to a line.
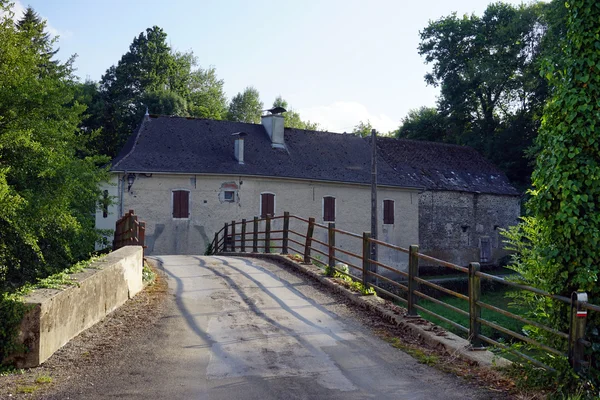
247,329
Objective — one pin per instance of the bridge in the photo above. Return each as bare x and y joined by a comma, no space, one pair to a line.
248,327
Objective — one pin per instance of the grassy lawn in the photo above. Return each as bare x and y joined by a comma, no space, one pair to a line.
494,298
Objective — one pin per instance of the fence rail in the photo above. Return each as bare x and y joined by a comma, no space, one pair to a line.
129,231
410,284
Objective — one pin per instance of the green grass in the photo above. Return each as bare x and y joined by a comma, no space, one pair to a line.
43,379
496,298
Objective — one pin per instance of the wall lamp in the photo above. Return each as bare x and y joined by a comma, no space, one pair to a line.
130,180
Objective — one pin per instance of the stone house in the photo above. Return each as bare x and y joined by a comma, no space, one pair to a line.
465,203
186,177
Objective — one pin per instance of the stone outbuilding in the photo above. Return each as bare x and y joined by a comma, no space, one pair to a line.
466,200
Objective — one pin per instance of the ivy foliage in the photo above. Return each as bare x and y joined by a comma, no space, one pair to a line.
566,180
557,245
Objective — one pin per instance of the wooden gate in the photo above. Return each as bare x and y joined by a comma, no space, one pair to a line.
129,231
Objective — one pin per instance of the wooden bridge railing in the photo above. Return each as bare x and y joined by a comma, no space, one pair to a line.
129,231
237,237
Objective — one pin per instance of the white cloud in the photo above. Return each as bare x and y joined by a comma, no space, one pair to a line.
343,116
19,9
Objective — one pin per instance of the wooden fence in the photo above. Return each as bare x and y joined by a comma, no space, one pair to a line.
129,231
368,272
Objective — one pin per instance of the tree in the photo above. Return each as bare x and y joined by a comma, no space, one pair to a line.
148,67
32,25
488,71
363,129
558,243
292,118
425,123
164,102
246,106
207,98
48,192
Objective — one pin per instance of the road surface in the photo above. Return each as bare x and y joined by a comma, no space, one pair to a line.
242,328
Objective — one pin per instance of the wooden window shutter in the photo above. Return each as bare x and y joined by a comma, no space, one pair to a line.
388,211
329,209
176,201
268,205
185,204
181,204
486,250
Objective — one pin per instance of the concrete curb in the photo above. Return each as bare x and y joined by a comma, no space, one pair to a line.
424,330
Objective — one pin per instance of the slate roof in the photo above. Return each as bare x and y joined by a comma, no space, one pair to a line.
202,146
440,166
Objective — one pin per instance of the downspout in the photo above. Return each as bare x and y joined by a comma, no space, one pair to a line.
121,194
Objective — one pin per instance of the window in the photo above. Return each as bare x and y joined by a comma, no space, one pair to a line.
388,212
181,204
329,209
485,245
105,204
267,205
229,195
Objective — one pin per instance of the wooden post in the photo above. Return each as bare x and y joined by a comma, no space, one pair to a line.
309,234
374,216
216,244
577,330
243,243
233,236
413,271
286,231
331,245
142,236
366,254
268,234
255,236
474,308
225,234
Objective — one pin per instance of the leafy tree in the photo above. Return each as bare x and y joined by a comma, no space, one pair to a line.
164,102
488,71
363,129
246,106
292,118
47,192
425,123
148,67
558,244
207,98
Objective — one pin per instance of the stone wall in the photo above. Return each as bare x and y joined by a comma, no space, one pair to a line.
454,225
56,316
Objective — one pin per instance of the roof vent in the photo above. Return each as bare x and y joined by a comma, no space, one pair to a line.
274,125
238,146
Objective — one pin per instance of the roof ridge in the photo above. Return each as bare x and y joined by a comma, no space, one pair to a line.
431,142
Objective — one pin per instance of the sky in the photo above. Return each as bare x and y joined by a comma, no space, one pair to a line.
336,62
